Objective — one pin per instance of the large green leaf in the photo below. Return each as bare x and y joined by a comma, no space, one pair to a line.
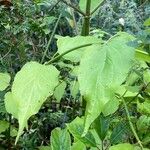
76,128
4,81
60,139
66,43
101,125
31,87
94,4
102,70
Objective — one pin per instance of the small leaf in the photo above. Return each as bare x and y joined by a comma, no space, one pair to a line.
78,146
74,88
143,124
144,107
60,139
31,87
4,81
59,91
141,55
76,128
4,125
147,22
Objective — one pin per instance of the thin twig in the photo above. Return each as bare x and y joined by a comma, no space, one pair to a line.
131,124
66,52
50,40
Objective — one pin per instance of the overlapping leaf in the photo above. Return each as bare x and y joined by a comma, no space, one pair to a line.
94,4
102,70
31,87
60,139
4,81
66,43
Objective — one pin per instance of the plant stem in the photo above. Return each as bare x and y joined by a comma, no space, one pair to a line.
50,40
86,22
131,125
60,56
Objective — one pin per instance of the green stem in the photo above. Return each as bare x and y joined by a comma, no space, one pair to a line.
50,40
86,22
131,125
60,56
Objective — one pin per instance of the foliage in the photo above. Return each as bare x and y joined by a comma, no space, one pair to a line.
86,90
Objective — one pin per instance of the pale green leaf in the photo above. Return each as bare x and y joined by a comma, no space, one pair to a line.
76,128
66,43
60,139
144,107
31,87
74,88
111,106
147,22
59,91
124,146
94,4
78,146
102,70
141,55
4,125
4,81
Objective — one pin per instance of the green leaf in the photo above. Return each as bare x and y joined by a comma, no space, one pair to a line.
147,22
31,87
78,146
101,72
76,128
111,106
144,107
60,139
143,124
74,88
119,133
124,146
4,125
101,125
4,81
94,4
141,55
59,91
66,43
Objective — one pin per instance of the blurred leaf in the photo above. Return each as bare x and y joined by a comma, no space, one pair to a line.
60,139
76,128
4,81
59,91
101,125
4,125
124,146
